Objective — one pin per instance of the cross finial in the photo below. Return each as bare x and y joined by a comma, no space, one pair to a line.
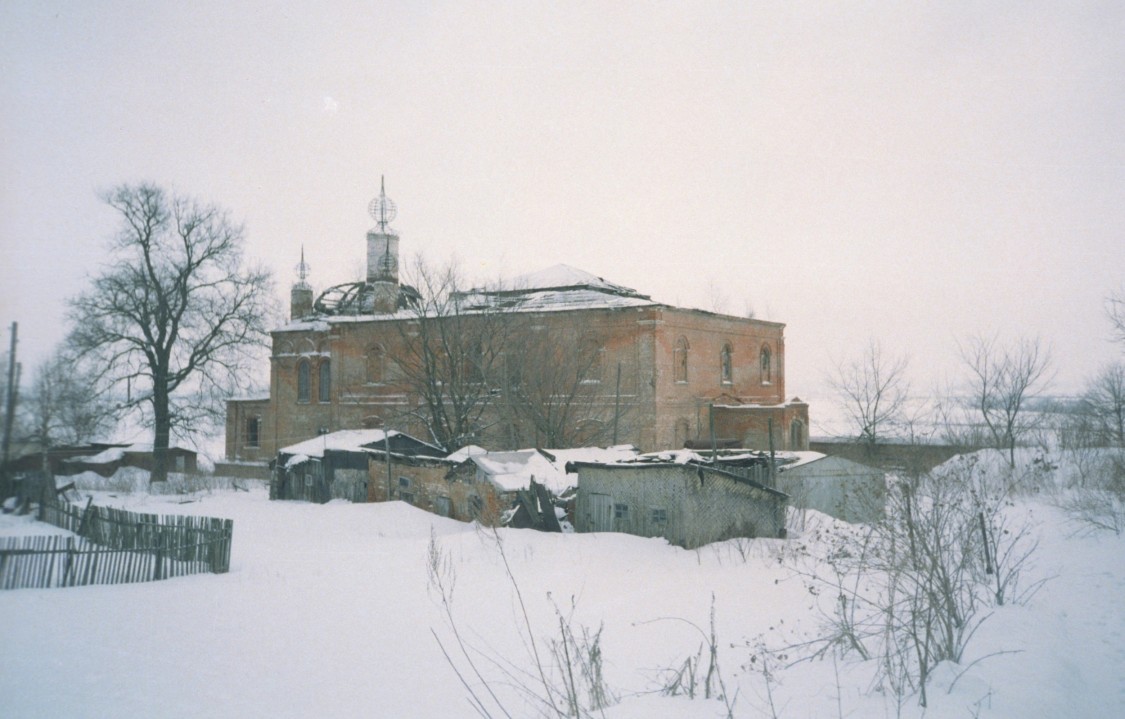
303,268
382,208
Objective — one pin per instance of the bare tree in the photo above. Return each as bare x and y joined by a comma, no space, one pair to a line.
1000,382
176,314
873,389
559,391
450,353
66,405
1102,406
911,589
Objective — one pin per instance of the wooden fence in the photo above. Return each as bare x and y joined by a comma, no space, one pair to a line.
115,546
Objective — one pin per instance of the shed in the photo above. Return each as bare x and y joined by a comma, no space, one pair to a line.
839,487
687,501
107,461
361,465
490,484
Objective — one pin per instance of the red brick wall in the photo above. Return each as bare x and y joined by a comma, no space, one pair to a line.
641,340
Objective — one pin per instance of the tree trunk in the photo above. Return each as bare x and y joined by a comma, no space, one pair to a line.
162,425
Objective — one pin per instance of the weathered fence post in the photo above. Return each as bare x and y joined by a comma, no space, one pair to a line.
158,564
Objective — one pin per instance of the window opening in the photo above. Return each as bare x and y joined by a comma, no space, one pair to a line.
680,360
253,431
304,380
324,386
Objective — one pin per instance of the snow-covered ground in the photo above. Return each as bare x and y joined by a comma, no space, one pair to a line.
328,611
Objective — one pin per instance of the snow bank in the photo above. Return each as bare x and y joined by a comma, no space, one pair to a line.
328,611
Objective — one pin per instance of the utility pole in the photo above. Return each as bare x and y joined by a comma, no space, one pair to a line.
711,422
387,453
773,461
10,402
616,403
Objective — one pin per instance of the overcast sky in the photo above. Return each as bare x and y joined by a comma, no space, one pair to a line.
916,172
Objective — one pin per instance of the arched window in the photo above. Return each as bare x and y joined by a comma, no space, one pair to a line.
680,360
324,383
376,364
726,373
797,435
767,367
304,381
591,360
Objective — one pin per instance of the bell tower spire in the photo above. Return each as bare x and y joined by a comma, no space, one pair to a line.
382,252
301,295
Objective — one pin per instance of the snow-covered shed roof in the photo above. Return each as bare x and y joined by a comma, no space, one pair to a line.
826,465
685,460
344,440
513,471
117,453
356,440
465,452
798,459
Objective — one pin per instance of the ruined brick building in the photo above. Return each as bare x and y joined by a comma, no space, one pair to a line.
662,376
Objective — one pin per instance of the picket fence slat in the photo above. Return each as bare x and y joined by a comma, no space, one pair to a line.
115,546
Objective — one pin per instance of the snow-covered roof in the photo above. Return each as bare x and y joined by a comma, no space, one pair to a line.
571,299
565,277
512,471
344,440
619,453
469,450
560,287
107,456
797,459
116,454
554,289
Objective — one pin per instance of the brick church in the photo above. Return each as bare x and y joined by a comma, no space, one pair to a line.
662,377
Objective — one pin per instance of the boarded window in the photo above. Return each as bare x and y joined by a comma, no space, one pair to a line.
376,364
680,360
443,506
